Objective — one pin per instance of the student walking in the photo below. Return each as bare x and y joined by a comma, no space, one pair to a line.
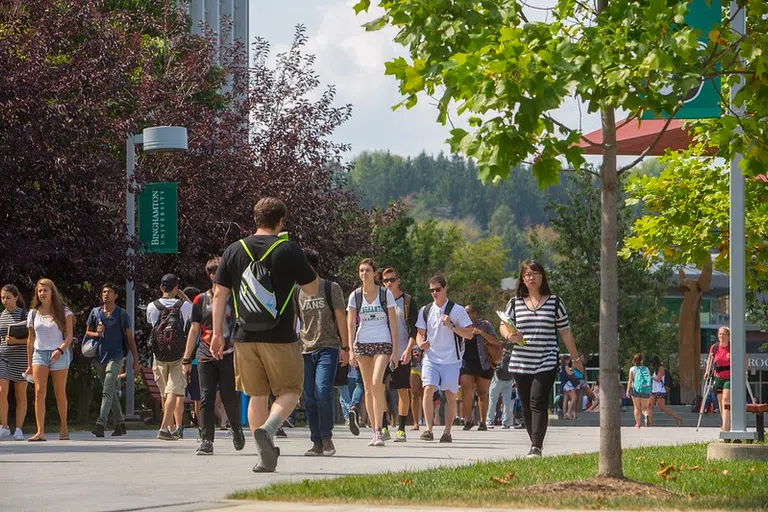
50,324
442,326
13,361
372,324
501,388
325,346
719,359
111,326
639,388
169,316
538,316
659,391
417,388
213,374
261,272
476,369
406,311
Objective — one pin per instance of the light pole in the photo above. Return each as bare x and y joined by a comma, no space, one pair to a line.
157,139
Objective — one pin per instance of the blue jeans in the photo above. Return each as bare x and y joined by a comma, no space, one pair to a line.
503,389
319,374
351,395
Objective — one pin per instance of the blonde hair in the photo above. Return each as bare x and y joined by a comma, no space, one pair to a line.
58,305
725,329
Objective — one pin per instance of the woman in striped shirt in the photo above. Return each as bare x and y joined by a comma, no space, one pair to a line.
13,362
539,317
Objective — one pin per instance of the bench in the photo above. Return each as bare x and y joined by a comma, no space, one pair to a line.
148,378
758,410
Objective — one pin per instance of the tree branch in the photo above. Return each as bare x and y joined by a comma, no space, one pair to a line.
569,129
650,146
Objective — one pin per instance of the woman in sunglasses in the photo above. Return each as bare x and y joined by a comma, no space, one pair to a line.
372,324
537,317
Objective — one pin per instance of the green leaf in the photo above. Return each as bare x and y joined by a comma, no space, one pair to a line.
361,6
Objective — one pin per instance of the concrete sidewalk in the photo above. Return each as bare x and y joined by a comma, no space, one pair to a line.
138,472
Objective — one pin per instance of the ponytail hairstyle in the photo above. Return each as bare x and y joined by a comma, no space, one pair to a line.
58,305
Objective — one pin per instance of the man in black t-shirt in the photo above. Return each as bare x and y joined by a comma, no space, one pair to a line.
213,373
265,359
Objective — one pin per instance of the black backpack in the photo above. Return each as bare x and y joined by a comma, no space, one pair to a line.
255,302
668,380
167,337
459,341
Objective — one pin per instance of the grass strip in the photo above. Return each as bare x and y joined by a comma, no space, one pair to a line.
684,478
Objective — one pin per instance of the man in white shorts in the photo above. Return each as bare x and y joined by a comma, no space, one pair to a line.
442,327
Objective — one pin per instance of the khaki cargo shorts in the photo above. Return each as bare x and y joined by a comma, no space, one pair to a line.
261,367
169,377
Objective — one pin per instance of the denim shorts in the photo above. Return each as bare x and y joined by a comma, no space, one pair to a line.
43,358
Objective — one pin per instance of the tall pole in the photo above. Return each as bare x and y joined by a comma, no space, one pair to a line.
130,223
738,266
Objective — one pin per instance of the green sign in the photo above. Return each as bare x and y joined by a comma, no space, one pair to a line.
704,101
159,218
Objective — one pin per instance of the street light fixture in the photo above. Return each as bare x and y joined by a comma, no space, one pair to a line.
157,139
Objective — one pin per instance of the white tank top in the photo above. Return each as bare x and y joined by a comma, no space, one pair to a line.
657,387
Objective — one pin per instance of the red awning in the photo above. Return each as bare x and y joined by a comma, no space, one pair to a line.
633,137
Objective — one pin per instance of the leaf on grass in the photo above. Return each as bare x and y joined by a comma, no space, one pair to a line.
641,457
504,480
667,472
406,482
695,468
725,472
751,470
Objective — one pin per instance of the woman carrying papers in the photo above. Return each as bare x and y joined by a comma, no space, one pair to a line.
535,317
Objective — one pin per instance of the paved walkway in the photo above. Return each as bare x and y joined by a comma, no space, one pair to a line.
138,472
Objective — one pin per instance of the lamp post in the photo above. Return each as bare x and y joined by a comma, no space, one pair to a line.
157,139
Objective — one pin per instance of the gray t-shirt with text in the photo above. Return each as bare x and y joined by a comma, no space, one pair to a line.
318,322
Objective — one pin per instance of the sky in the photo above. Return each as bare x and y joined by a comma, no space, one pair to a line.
353,60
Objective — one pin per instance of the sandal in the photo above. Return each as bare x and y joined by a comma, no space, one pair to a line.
34,439
64,436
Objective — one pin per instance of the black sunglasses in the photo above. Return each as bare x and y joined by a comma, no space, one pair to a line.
389,280
436,290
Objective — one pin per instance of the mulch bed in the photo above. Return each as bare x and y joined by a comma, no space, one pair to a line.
598,487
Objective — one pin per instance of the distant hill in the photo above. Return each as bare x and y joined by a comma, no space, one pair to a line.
448,188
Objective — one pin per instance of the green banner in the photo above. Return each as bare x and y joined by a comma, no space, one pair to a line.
159,218
702,102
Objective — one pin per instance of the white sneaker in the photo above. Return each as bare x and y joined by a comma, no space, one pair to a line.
4,432
18,435
378,440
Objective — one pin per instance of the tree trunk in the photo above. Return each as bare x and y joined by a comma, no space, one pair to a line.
610,395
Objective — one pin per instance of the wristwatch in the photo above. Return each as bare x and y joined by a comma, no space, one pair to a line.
186,360
345,349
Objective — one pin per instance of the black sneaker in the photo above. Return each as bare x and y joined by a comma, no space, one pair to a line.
427,436
482,427
458,421
98,430
280,433
354,422
534,453
519,426
178,433
446,438
205,448
468,425
238,438
120,430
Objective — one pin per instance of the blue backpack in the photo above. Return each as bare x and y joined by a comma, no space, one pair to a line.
641,381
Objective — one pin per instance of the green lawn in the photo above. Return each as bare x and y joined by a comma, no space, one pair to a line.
694,483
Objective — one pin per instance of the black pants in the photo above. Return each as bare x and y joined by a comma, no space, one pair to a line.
218,374
534,390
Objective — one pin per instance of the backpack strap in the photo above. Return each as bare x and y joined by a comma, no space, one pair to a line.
358,303
425,313
457,340
407,306
328,294
271,247
159,305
